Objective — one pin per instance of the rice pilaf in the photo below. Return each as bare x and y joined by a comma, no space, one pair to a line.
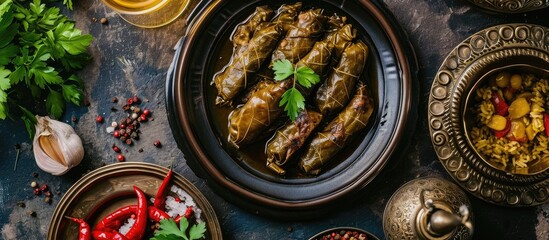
506,149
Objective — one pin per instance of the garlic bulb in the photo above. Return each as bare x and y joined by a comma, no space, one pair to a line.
56,146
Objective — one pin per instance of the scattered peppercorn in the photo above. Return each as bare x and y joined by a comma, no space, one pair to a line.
115,148
21,204
120,158
37,191
114,100
44,187
290,229
140,150
113,109
129,141
99,119
47,200
104,21
34,174
32,213
147,112
33,184
143,118
74,119
47,193
116,133
157,144
94,19
135,99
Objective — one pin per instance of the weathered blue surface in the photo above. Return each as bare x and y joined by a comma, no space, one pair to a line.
132,61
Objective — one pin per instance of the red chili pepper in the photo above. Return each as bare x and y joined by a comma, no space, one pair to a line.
503,133
103,235
137,231
115,220
189,212
156,214
84,232
160,198
500,104
546,123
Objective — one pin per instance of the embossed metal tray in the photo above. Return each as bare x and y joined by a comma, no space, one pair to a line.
109,188
493,47
511,6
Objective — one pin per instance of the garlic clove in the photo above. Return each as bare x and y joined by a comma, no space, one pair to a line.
57,148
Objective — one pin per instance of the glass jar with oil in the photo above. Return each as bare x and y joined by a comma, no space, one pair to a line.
148,13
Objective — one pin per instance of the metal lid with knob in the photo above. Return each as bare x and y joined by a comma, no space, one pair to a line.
428,208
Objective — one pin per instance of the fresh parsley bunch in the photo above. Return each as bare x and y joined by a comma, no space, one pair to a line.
170,231
40,49
293,99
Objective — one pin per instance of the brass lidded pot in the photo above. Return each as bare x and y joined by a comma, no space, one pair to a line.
428,208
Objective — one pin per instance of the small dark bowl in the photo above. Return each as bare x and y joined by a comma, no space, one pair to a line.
319,235
191,112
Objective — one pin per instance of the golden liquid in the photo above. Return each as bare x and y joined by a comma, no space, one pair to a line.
148,13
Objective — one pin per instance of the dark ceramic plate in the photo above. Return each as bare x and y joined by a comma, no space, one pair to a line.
192,112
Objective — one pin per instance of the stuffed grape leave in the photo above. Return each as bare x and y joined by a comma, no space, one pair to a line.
336,91
244,32
239,73
286,15
340,39
289,138
248,121
301,36
328,142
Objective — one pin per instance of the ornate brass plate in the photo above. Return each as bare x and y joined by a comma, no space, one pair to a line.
491,48
511,6
109,188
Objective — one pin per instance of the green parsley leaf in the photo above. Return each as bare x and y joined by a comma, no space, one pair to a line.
72,93
29,120
3,110
197,231
55,104
306,77
39,50
294,101
169,230
283,69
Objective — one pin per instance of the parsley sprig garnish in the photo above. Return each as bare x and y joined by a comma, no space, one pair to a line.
292,99
40,49
170,231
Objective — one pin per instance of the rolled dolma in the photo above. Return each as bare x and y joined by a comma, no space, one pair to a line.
289,138
238,74
340,39
244,31
286,15
339,132
336,91
249,120
301,36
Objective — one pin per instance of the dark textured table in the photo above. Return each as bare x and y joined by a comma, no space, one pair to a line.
131,61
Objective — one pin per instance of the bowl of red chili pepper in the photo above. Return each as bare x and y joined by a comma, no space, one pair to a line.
133,201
